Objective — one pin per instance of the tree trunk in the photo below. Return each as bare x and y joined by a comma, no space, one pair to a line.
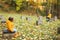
58,9
58,12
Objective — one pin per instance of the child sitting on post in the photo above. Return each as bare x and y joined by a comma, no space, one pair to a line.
10,27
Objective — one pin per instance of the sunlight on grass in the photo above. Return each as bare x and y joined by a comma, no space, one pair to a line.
29,30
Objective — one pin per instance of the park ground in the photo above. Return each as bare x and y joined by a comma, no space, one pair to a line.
28,29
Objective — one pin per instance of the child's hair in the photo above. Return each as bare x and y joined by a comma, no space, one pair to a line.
10,19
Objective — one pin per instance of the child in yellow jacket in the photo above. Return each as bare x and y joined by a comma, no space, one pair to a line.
49,16
10,27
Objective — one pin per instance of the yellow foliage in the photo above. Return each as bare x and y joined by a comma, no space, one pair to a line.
17,8
52,1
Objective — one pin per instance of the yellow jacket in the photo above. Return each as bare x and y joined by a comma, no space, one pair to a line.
9,25
49,15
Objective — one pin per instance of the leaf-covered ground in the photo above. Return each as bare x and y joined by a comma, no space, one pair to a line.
28,29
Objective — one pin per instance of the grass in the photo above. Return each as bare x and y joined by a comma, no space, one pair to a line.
28,29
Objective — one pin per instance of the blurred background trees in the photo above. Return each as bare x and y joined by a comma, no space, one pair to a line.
39,7
7,5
